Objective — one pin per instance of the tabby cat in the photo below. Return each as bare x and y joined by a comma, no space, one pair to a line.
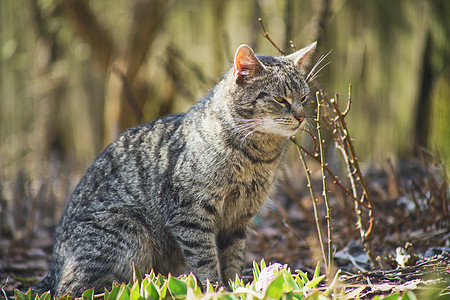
184,188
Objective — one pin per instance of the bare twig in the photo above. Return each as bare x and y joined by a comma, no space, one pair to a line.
355,163
313,198
335,178
325,186
349,102
266,35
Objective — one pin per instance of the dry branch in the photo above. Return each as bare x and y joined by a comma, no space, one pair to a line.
266,35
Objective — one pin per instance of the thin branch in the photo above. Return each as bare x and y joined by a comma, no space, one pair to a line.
349,102
314,200
354,161
335,178
266,35
325,186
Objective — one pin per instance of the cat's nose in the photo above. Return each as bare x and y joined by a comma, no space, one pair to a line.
299,115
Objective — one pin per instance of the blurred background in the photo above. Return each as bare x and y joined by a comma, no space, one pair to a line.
75,73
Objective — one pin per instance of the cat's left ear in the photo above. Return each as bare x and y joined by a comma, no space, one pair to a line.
301,57
246,64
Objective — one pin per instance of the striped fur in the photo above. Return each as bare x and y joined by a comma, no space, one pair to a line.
184,188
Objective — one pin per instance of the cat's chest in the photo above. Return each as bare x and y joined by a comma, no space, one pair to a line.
245,191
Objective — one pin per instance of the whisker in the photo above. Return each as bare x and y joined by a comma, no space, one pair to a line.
319,61
250,132
314,76
242,126
245,123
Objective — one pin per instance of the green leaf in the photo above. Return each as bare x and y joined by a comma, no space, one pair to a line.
243,292
209,286
88,294
290,284
114,292
106,294
67,296
317,270
137,275
176,286
151,291
135,295
256,271
275,288
409,295
191,282
45,296
163,290
151,276
304,276
160,280
395,296
299,280
313,283
263,264
21,296
124,292
136,287
228,297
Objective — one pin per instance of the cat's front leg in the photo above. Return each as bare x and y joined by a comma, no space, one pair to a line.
197,242
231,247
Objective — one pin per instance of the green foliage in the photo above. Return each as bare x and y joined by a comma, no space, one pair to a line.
272,281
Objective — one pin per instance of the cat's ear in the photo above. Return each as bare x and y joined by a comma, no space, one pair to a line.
301,57
246,64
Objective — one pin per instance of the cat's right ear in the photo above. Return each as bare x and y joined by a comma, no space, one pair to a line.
246,64
301,57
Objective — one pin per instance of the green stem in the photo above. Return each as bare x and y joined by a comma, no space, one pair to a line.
313,198
324,184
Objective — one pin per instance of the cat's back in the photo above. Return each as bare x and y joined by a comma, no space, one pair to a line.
128,169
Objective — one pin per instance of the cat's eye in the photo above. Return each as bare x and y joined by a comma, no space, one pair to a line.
282,101
303,99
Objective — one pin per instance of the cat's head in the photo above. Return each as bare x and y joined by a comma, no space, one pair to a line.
269,93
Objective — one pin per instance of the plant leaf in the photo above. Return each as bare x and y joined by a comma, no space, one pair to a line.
163,290
176,286
45,296
135,295
243,292
313,283
290,284
263,264
137,275
114,291
21,296
88,294
124,292
151,291
317,270
275,288
256,271
67,296
209,286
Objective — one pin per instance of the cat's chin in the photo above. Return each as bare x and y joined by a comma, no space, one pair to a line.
289,132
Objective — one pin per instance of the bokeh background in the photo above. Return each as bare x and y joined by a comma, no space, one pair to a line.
62,65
